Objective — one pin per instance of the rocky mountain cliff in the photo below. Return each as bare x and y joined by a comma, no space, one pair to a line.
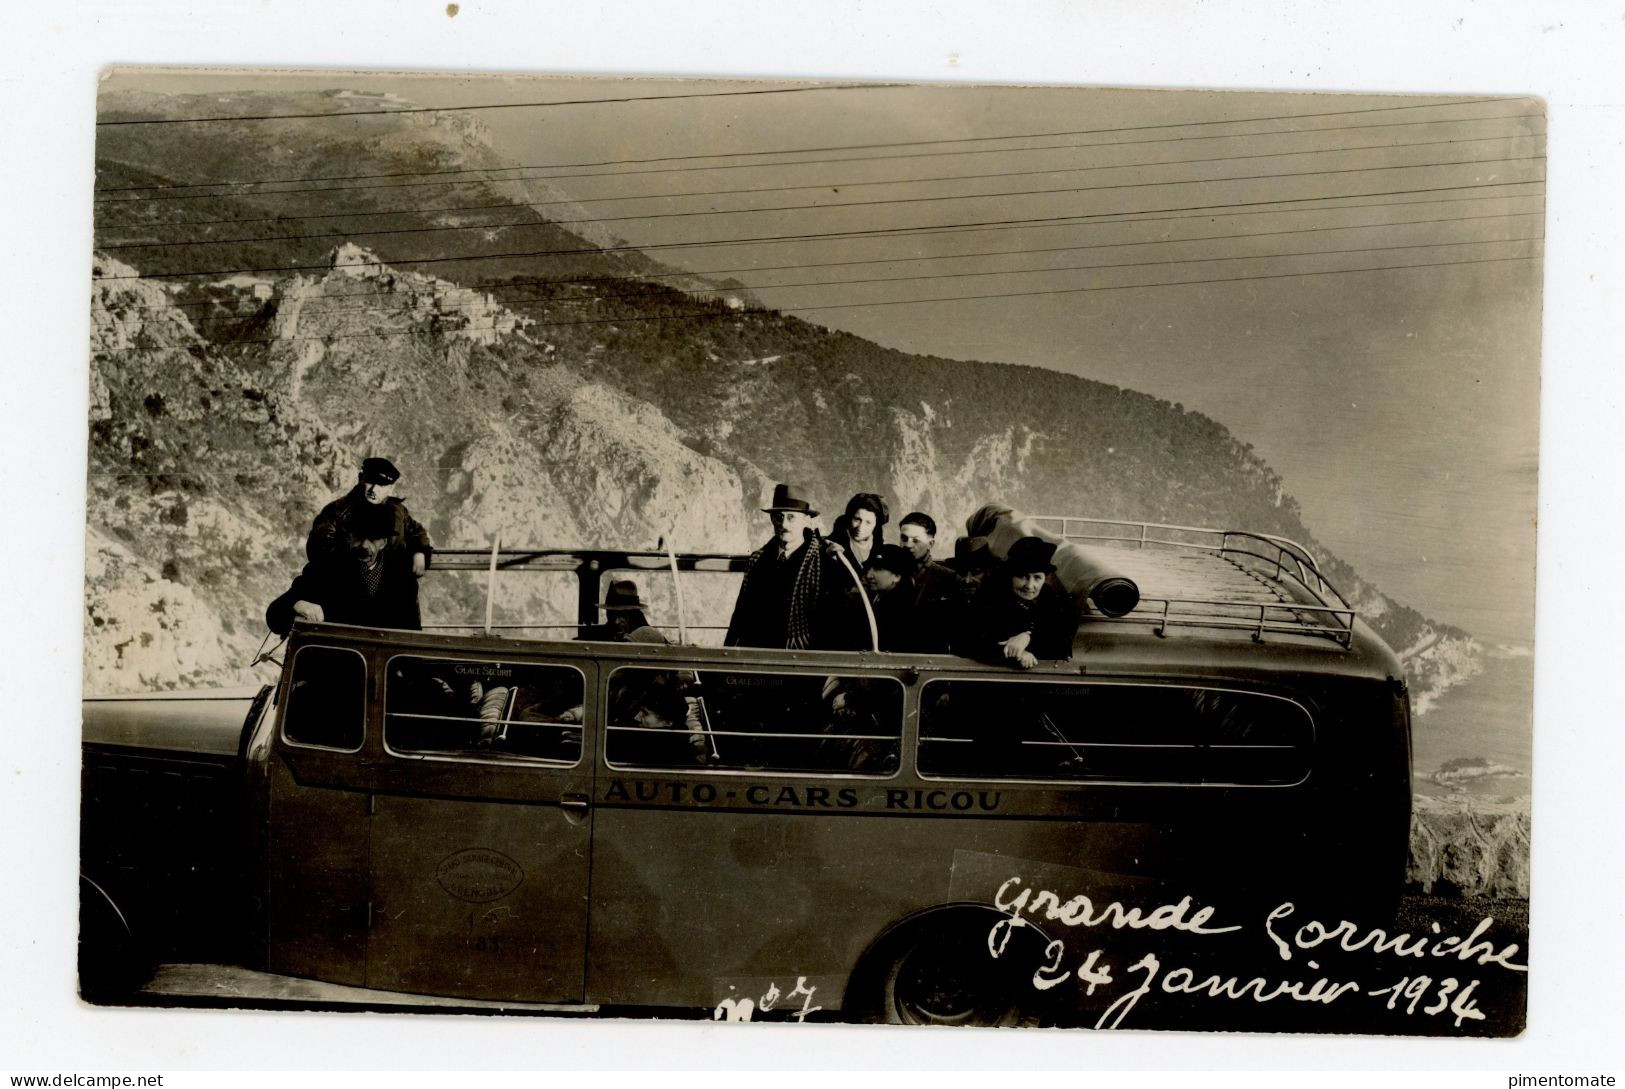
1473,847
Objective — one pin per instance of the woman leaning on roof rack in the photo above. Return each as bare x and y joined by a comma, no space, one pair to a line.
1021,615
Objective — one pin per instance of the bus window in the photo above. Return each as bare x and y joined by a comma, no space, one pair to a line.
327,699
461,707
1137,733
757,721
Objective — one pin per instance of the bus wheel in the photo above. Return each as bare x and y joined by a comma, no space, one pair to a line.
942,974
112,960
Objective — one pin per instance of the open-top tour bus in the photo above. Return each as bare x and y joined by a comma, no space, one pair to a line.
577,825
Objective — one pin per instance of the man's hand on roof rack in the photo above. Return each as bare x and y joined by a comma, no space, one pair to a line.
308,610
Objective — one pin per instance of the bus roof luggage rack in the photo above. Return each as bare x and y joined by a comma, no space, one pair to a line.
1193,576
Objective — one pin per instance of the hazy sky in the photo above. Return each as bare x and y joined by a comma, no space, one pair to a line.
1400,405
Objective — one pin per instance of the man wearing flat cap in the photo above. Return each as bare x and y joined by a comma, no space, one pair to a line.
374,491
796,593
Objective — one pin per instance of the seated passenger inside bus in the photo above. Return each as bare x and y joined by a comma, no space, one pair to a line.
652,722
436,706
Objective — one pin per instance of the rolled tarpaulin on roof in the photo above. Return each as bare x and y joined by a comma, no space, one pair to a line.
1085,572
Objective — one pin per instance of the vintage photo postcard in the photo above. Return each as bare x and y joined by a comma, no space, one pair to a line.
810,552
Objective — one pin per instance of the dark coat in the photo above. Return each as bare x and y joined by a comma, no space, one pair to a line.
997,614
329,534
937,607
761,616
337,585
898,618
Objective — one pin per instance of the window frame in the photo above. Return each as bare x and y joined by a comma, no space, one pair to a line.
762,772
486,756
287,703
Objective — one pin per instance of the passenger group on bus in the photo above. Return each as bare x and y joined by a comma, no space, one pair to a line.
861,528
366,552
796,591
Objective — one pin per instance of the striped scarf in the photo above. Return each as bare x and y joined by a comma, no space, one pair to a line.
804,589
804,592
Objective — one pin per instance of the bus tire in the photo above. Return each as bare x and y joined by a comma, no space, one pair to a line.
113,961
937,971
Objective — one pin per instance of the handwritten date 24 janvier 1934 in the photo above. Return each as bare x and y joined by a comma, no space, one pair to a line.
1414,993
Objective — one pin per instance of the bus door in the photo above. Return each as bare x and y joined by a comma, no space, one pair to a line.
726,854
481,829
315,849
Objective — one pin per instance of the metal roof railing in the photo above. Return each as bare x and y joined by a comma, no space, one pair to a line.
1279,560
1304,602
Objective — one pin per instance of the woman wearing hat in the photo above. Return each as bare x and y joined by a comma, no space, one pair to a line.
1020,615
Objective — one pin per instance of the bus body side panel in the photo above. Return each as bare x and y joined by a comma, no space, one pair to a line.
478,899
316,879
159,833
773,896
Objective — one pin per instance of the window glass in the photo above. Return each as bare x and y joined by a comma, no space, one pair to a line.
758,721
464,707
327,699
1111,732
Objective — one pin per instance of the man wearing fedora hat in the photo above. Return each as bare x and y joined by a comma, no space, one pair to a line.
1020,614
374,491
794,595
625,622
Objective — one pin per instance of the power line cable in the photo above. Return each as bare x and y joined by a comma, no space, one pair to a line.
832,205
505,105
588,300
723,311
896,260
892,144
109,202
596,299
532,205
1113,265
1176,283
872,232
660,290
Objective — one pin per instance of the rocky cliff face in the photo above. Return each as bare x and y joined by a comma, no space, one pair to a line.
210,456
1470,847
